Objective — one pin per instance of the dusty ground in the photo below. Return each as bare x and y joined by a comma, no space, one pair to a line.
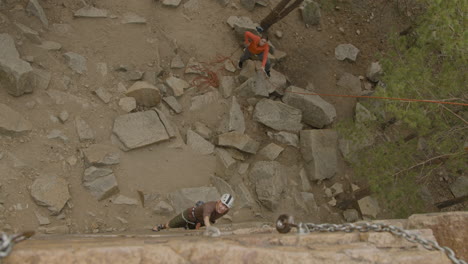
162,168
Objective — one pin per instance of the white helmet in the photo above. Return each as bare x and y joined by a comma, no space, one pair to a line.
227,200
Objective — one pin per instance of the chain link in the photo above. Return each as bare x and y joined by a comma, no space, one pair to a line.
378,227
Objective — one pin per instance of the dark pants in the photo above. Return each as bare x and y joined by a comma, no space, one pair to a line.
178,221
247,55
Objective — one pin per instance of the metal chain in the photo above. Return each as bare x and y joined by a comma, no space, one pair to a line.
7,242
378,227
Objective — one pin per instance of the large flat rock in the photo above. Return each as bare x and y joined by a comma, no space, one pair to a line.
239,141
278,115
319,151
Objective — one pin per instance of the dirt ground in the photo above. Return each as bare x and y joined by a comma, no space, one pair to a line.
163,168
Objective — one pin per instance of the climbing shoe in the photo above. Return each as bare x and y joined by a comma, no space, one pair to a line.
268,74
158,228
240,64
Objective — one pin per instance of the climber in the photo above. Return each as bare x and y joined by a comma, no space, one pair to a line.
255,45
202,215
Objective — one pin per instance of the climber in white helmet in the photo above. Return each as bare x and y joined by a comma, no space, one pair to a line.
202,214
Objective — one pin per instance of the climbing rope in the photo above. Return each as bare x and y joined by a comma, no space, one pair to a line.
285,223
8,241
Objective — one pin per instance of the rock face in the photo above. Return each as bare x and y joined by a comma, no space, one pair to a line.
198,143
16,75
12,123
140,129
239,141
50,191
145,94
187,197
311,13
278,115
269,178
319,151
346,51
76,62
35,9
316,112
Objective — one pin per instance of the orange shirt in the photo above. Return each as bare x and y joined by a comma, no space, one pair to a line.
254,48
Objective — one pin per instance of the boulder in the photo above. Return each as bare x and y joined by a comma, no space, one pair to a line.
124,200
55,133
103,94
229,66
140,129
145,94
163,208
236,120
172,102
202,130
350,83
309,201
285,138
369,207
76,62
248,71
12,123
84,131
351,215
248,4
36,10
187,197
374,72
16,75
127,104
194,67
91,12
201,101
277,82
269,178
177,62
319,151
278,115
271,151
132,18
222,186
50,45
171,3
459,187
42,219
311,13
346,51
227,85
198,143
92,173
51,192
316,112
177,85
239,141
252,87
29,33
103,187
225,157
101,155
244,198
42,79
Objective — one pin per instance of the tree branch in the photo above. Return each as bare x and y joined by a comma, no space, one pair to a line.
427,161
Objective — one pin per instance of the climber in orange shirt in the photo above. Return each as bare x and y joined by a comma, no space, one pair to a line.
256,45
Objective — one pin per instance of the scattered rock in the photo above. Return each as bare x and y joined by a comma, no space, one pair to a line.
346,51
92,173
139,129
122,220
337,188
278,34
104,95
124,200
172,102
363,115
239,141
253,87
50,45
76,62
63,229
132,18
145,94
102,68
12,123
229,66
319,150
192,5
369,206
17,75
83,130
203,130
51,192
278,115
55,133
269,178
271,151
103,187
374,72
305,184
63,116
311,13
459,187
42,79
127,104
222,186
351,215
177,85
198,143
316,112
309,200
91,12
226,85
277,82
163,208
35,9
101,155
350,83
194,67
236,120
29,33
244,198
285,138
171,3
200,101
248,4
42,219
225,158
171,132
177,62
187,197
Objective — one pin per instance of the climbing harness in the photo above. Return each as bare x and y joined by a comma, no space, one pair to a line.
285,223
8,241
